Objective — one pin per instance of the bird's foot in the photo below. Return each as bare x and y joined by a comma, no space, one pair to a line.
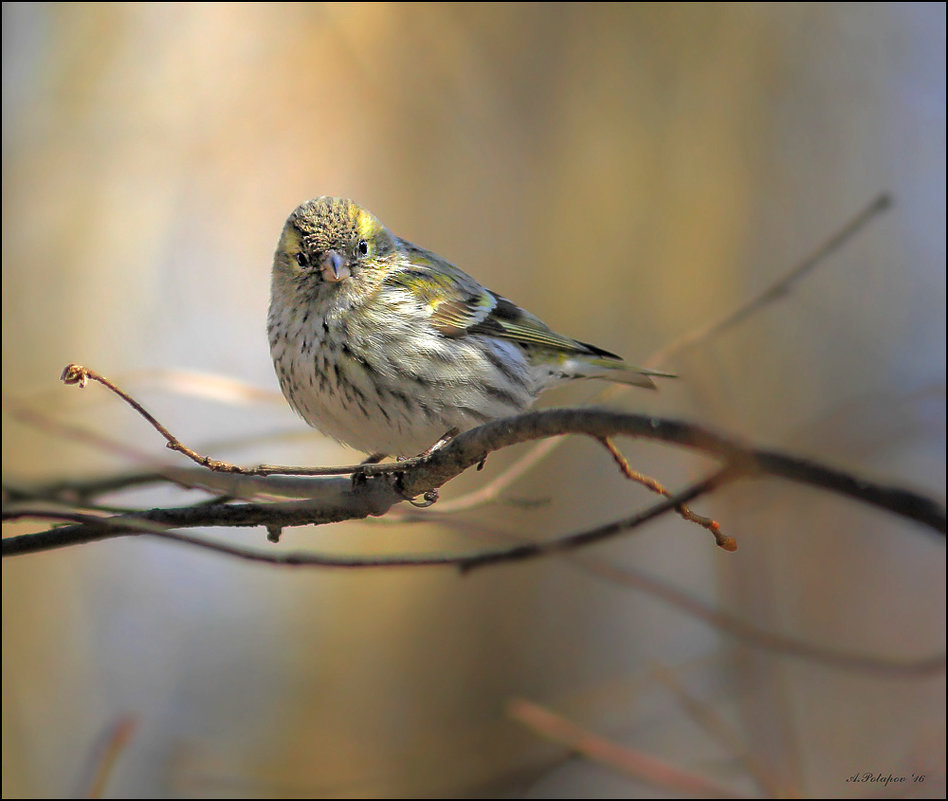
359,477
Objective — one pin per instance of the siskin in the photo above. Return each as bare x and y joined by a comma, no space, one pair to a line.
386,347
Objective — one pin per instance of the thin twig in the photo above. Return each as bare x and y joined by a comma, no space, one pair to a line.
742,630
778,288
720,731
79,375
726,623
629,761
723,540
29,415
112,743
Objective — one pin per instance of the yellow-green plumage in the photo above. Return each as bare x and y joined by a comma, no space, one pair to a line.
385,346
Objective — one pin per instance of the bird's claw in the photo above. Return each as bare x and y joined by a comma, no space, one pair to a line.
428,499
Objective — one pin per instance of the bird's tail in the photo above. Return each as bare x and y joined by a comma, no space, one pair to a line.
609,369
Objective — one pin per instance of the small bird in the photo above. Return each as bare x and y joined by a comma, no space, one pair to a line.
387,347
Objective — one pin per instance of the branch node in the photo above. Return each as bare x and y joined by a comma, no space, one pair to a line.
75,374
726,542
274,532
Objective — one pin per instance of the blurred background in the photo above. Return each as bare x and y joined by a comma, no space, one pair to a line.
628,173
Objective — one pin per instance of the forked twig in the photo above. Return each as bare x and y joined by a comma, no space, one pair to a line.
723,540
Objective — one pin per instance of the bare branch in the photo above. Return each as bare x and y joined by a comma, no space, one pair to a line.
25,413
778,288
275,516
730,624
336,499
79,375
111,744
722,539
634,763
740,629
429,471
720,731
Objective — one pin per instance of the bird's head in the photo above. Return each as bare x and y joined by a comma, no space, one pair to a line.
330,241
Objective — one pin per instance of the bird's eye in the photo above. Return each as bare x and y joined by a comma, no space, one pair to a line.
363,247
302,259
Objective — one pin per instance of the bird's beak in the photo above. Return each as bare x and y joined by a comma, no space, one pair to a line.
333,267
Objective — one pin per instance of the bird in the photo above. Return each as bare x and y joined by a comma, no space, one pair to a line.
388,348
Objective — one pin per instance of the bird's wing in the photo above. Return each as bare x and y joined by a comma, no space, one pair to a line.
459,306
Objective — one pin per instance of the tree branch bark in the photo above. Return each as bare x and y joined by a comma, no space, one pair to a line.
330,500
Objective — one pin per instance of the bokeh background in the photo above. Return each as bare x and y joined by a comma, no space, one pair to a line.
627,172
